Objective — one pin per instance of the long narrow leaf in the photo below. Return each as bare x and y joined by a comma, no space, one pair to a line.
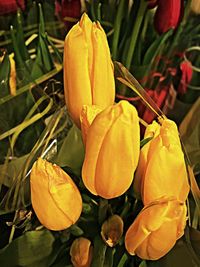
4,75
154,48
124,76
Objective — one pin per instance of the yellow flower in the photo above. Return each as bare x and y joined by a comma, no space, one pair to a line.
161,169
55,198
88,70
112,151
156,229
152,131
81,252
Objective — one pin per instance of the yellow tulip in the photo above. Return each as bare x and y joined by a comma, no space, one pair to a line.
112,151
87,116
81,252
88,70
152,131
156,229
55,198
162,167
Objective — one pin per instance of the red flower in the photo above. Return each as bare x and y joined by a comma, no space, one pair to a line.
167,15
68,9
11,6
158,97
186,69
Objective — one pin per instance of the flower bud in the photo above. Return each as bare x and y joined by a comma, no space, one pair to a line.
112,151
112,230
81,252
161,169
156,229
88,70
167,15
55,198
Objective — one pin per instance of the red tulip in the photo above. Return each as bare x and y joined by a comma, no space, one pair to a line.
186,69
167,15
68,9
11,6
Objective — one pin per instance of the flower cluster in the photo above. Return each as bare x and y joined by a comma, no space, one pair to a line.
161,180
111,136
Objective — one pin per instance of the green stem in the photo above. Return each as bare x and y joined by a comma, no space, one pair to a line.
13,228
175,40
180,28
117,26
99,252
135,32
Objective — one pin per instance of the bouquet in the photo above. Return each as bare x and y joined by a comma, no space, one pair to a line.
93,170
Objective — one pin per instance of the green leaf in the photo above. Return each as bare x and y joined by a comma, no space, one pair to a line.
71,153
143,264
154,48
11,170
32,17
145,141
76,230
56,51
32,84
43,62
99,252
122,261
18,58
87,209
4,75
117,26
182,254
109,257
28,249
20,37
195,240
103,210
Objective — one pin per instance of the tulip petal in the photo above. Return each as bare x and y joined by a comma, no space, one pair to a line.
120,142
86,25
149,219
76,72
87,116
88,72
158,243
167,15
156,229
55,198
103,74
95,137
152,130
114,128
166,171
64,193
